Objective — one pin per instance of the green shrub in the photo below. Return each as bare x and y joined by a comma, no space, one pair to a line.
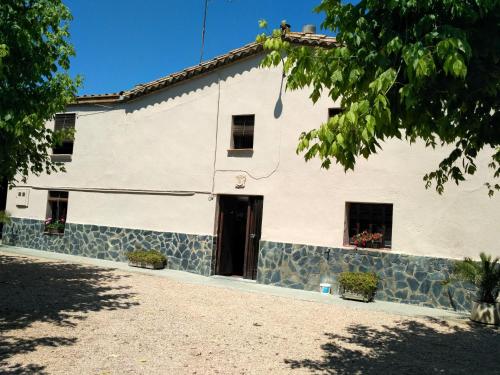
485,275
359,282
4,217
147,256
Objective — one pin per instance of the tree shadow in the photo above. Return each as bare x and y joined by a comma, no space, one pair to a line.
58,293
409,347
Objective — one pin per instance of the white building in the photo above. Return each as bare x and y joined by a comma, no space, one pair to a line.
201,165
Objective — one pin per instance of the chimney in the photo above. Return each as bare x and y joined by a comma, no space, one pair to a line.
309,29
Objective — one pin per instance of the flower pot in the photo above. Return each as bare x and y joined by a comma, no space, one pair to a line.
486,313
349,294
53,231
356,296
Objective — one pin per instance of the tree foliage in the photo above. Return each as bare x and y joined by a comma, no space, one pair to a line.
412,69
34,83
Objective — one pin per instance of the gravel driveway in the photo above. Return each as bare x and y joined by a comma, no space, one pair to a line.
61,318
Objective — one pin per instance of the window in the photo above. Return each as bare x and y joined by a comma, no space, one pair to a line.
334,111
242,132
372,218
57,208
64,121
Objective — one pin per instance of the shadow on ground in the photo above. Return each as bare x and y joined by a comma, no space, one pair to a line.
409,347
57,293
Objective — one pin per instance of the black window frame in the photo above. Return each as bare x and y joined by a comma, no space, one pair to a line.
57,207
64,121
372,217
334,111
243,132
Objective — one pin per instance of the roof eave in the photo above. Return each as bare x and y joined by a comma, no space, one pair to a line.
97,99
251,49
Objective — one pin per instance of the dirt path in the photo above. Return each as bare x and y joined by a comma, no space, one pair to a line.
60,318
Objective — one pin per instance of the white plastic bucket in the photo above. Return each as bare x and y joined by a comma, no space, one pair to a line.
325,288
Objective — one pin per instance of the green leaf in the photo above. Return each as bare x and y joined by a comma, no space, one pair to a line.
365,135
329,135
351,116
337,76
340,140
394,45
370,124
262,24
455,66
459,68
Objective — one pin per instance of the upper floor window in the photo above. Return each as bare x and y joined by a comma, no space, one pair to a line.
242,132
369,224
64,121
334,111
57,209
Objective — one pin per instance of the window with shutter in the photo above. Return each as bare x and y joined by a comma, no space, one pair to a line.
242,132
64,121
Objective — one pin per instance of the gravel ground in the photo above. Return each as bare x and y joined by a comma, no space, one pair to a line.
61,318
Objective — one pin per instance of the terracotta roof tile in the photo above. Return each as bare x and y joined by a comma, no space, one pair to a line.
313,40
234,55
98,98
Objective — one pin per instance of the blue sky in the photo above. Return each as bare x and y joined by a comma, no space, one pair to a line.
120,43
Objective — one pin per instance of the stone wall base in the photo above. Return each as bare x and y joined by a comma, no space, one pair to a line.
404,278
185,252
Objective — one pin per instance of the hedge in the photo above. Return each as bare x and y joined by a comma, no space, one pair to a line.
359,282
147,256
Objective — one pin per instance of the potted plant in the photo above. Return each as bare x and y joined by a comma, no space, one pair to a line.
360,286
485,275
367,239
151,259
54,226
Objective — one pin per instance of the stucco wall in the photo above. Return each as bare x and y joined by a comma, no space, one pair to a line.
165,142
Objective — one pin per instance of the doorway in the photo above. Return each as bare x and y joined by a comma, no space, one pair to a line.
238,235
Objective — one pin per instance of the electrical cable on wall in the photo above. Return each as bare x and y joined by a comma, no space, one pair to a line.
241,170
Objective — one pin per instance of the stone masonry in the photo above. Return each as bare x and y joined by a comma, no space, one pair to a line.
403,278
185,252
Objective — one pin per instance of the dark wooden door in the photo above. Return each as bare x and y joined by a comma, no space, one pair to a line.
254,224
238,235
220,228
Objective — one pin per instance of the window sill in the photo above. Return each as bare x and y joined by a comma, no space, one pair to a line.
353,247
240,152
61,158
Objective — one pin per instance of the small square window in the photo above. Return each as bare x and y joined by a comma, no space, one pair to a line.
57,209
242,132
372,218
64,121
334,111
